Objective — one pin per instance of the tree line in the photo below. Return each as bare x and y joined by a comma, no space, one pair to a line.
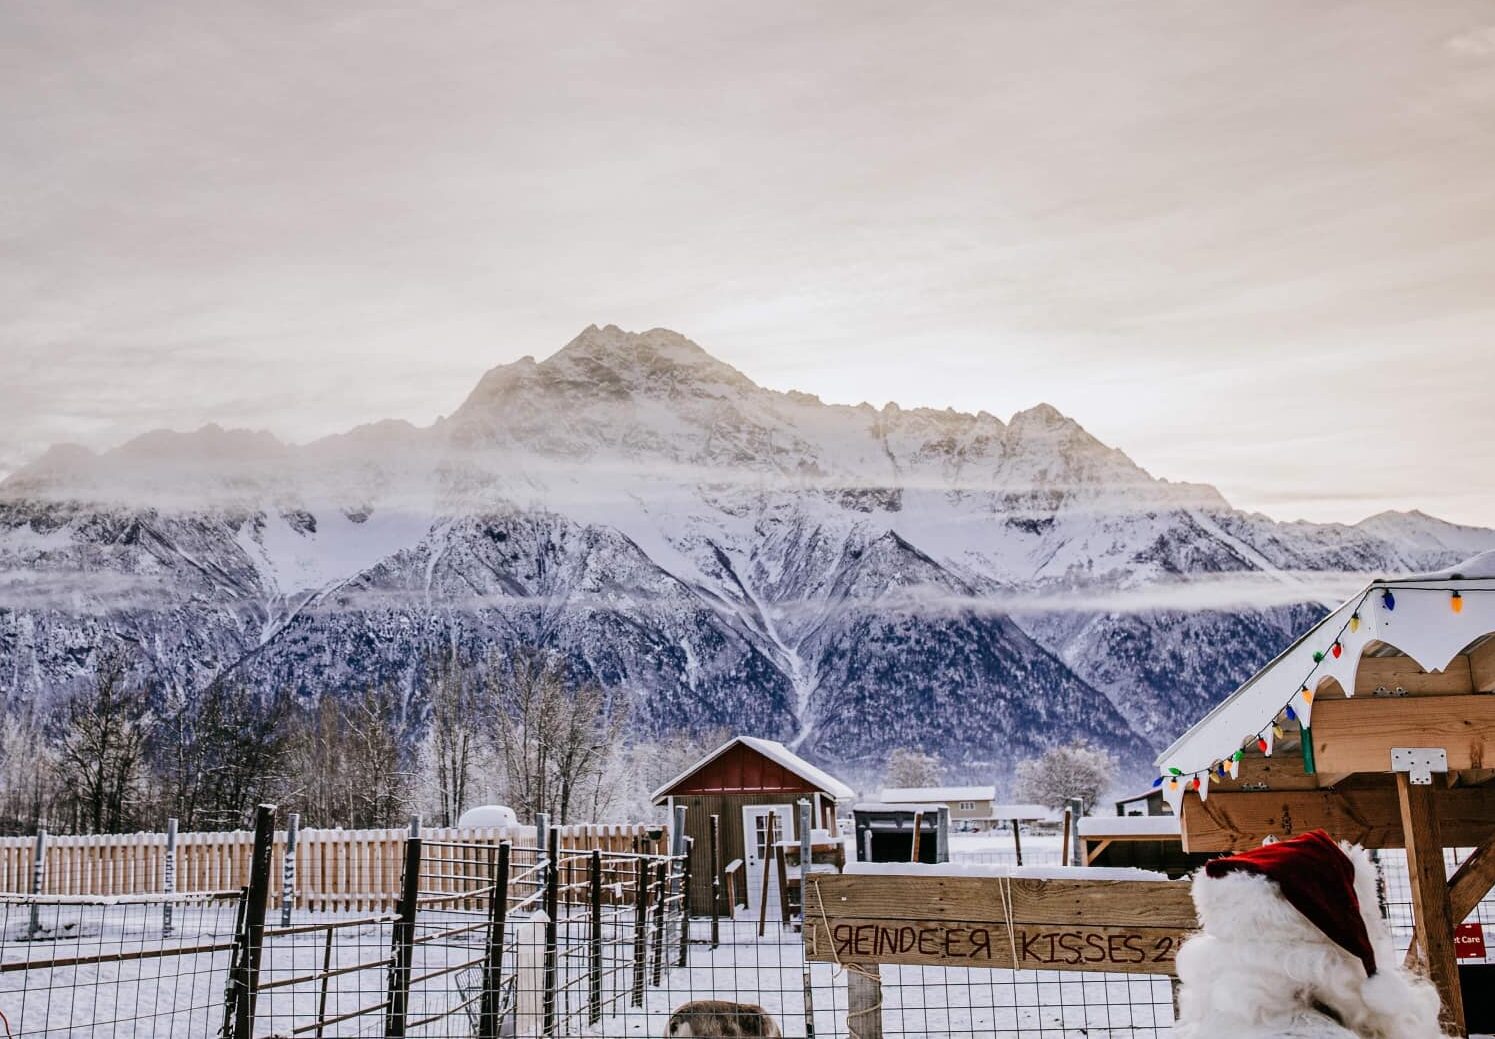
119,753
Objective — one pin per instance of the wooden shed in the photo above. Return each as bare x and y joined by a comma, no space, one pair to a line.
1377,725
747,782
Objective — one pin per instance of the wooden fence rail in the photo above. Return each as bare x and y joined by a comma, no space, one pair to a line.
336,870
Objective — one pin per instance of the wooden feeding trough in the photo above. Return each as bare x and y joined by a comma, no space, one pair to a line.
1377,725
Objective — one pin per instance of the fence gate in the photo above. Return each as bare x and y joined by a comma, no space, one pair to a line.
929,955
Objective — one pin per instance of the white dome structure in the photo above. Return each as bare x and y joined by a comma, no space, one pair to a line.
488,817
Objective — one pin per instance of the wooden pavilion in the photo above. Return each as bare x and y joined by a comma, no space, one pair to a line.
1378,726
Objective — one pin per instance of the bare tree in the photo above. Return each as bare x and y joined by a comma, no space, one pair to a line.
29,780
552,738
219,752
349,761
913,768
100,747
1080,770
452,738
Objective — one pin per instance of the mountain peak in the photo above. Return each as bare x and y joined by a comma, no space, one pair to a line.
610,363
641,359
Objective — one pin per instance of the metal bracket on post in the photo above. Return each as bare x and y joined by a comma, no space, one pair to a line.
1419,763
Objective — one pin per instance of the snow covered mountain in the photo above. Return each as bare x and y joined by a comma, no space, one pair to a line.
847,579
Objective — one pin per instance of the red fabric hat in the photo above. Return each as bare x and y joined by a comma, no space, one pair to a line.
1317,879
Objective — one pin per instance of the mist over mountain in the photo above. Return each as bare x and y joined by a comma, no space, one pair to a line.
844,578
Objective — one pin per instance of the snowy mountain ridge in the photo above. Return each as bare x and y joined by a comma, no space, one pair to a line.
845,578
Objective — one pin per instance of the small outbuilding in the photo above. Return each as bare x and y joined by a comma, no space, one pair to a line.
970,806
753,786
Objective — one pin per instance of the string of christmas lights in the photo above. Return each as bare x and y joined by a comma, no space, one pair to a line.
1199,779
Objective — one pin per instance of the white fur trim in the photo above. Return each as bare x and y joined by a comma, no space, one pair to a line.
1259,969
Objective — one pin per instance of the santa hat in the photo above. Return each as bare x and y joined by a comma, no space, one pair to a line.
1317,879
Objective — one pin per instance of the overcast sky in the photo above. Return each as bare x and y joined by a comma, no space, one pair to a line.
1249,243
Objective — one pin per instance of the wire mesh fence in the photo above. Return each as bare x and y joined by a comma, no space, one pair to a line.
1024,1004
498,939
123,966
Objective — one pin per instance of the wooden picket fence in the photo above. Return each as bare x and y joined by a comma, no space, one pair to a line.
335,870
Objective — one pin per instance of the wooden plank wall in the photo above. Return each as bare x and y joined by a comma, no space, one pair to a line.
336,870
699,808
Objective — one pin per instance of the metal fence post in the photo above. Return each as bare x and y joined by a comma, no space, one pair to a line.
288,870
403,952
806,855
690,845
659,906
716,881
168,877
38,880
640,928
1076,810
490,1022
552,912
594,962
249,940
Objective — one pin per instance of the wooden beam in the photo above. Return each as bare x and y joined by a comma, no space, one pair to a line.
1473,879
1467,887
1404,673
1431,910
1357,735
1282,771
1095,848
1231,821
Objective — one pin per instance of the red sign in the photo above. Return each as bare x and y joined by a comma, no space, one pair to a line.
1469,941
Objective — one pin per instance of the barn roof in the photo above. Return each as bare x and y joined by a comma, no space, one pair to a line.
774,752
1407,616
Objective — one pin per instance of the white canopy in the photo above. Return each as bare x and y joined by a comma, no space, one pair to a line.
1414,615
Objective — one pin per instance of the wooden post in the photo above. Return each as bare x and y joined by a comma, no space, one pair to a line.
767,863
913,853
1017,840
716,881
403,952
1064,841
863,1001
489,1023
1431,911
594,950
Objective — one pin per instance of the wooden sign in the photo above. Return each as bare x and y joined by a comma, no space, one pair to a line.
1130,927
